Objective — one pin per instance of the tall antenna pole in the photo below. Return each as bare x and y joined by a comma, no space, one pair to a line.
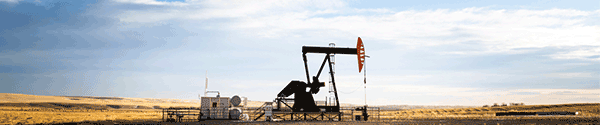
206,83
365,65
365,77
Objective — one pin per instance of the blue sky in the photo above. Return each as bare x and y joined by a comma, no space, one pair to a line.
422,52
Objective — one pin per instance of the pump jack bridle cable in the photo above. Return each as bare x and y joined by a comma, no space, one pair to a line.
351,91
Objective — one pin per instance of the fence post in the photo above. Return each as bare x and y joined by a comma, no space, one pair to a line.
379,113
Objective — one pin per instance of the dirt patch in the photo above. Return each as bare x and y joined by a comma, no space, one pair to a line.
62,105
143,107
92,97
125,106
114,106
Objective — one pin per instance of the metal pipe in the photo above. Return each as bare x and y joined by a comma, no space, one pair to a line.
322,65
218,93
306,67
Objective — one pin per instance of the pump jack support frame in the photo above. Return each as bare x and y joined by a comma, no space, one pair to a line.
303,101
328,51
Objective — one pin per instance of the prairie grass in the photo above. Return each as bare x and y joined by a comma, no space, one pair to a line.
33,109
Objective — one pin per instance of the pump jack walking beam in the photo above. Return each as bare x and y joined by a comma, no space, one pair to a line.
328,50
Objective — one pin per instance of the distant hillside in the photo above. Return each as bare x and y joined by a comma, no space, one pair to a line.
152,103
400,107
385,107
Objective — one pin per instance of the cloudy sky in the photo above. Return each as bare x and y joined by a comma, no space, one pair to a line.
422,52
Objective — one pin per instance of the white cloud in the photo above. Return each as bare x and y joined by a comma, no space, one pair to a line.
554,12
430,89
437,90
584,53
473,92
569,75
210,9
10,1
242,84
497,31
442,95
352,81
152,2
562,91
475,96
378,10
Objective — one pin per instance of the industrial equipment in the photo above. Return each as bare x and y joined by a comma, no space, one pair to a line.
365,115
304,106
222,108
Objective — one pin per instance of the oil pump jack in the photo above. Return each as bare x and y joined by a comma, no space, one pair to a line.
303,101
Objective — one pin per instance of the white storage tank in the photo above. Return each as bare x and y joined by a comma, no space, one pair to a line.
236,101
235,113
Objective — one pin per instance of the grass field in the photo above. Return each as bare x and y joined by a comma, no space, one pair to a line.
33,109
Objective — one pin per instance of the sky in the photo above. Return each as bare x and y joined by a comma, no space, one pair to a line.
430,52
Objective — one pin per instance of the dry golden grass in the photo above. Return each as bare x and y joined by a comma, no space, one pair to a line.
589,110
36,113
44,117
22,98
34,109
37,109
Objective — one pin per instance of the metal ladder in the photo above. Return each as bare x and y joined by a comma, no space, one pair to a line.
260,110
